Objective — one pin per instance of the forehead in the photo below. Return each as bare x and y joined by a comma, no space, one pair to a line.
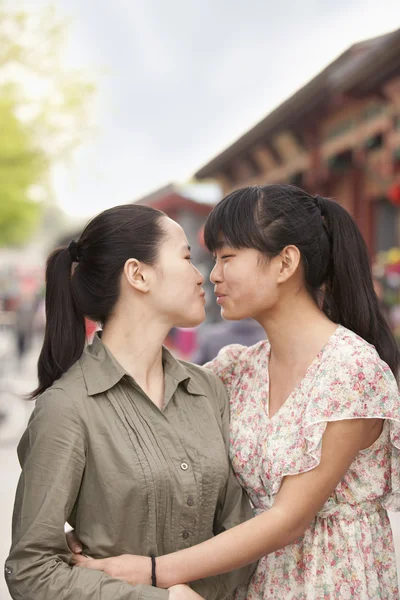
174,231
222,242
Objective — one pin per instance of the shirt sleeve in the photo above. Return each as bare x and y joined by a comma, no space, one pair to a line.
52,457
234,508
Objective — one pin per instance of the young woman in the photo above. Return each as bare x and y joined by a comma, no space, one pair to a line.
125,442
315,411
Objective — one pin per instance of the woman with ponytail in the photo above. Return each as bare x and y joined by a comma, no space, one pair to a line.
315,410
125,443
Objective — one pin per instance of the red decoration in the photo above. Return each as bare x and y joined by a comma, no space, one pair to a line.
394,194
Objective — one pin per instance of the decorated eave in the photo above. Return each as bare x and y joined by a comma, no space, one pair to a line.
283,136
196,198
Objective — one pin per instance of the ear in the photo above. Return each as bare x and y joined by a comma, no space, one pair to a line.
290,260
135,275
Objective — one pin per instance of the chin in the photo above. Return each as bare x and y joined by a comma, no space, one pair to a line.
193,320
232,315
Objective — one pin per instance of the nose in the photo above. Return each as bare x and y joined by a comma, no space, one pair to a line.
216,274
199,276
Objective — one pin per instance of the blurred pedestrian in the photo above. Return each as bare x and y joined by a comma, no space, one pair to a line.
24,319
214,336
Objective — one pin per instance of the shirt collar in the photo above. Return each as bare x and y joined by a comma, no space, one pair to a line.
101,371
178,371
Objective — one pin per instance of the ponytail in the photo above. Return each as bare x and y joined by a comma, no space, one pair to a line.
350,298
64,338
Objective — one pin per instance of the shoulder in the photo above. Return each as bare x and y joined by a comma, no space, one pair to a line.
63,400
359,360
353,382
205,383
234,359
73,381
56,424
202,379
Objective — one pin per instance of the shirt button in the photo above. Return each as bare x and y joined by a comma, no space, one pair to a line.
184,466
185,535
190,501
8,570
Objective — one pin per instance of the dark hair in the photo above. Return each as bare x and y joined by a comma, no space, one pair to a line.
92,288
334,254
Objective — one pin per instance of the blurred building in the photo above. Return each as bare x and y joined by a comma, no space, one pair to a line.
338,136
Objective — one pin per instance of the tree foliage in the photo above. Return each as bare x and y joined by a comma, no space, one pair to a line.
43,114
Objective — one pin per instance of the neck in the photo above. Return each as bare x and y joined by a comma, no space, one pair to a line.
296,329
136,343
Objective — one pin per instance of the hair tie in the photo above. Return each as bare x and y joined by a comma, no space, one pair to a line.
319,202
73,251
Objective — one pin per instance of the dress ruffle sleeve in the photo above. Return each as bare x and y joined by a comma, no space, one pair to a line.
363,389
225,364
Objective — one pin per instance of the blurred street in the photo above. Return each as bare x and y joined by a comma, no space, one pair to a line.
25,380
21,381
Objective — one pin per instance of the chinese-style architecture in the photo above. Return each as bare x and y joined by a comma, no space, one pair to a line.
180,200
339,136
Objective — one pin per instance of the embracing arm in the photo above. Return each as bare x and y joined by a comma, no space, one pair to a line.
233,508
297,503
52,456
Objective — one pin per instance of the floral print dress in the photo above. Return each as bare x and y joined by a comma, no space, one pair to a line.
347,552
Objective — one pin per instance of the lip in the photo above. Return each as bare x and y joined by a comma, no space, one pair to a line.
202,294
220,298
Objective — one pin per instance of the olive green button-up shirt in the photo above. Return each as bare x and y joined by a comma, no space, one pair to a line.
128,477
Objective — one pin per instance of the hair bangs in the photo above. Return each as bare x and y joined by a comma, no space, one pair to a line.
233,222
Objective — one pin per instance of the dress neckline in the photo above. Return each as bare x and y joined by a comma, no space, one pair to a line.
311,369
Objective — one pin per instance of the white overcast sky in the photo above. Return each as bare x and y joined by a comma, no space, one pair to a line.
181,79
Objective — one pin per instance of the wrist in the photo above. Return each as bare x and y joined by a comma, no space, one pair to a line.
165,575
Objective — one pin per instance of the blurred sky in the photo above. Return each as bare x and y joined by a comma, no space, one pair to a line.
179,80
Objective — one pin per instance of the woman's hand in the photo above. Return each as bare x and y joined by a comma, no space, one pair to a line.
73,543
127,567
183,592
134,570
75,546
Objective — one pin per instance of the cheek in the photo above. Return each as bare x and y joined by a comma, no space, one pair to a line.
241,280
178,281
253,290
235,278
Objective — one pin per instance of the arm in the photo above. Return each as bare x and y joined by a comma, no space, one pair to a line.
234,508
297,503
52,457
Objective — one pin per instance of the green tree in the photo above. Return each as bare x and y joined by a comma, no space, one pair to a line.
43,114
